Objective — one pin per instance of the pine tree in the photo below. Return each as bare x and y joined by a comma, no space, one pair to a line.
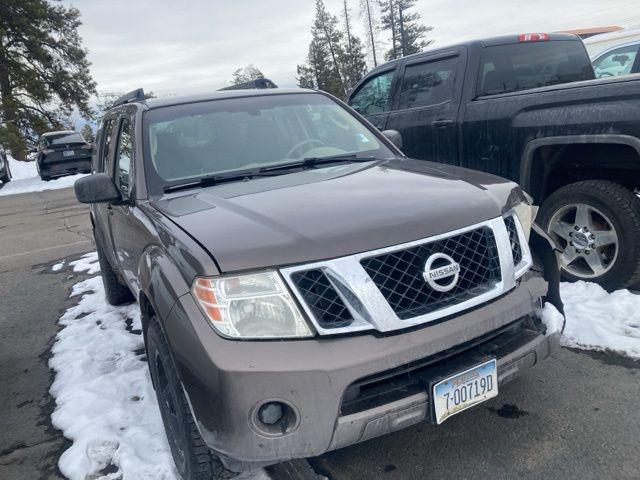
246,74
87,133
44,71
325,52
407,32
411,30
371,26
352,61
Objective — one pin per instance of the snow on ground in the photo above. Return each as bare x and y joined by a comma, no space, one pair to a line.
105,403
598,320
25,179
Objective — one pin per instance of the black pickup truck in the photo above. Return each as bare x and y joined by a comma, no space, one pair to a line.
527,107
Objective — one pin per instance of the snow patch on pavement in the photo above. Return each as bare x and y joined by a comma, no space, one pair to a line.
25,179
598,320
105,403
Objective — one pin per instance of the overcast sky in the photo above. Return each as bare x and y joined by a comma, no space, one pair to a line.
173,46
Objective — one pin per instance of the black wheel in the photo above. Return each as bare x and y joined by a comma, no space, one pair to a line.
44,177
5,179
193,459
115,291
597,224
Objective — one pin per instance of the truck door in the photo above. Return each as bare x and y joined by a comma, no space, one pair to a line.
372,98
101,211
426,107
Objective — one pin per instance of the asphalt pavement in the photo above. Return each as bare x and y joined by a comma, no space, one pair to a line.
576,416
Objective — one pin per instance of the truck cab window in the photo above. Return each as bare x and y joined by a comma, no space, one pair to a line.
124,155
428,83
373,96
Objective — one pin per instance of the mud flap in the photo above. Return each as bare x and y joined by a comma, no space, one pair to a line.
545,252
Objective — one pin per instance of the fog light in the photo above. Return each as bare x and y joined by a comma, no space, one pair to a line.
270,413
274,418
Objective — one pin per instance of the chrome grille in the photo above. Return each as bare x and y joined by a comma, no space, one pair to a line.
398,274
340,295
322,298
512,230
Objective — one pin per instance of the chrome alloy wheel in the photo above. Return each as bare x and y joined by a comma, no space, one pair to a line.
589,241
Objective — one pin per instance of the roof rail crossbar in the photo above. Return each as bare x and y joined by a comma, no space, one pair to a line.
260,83
136,95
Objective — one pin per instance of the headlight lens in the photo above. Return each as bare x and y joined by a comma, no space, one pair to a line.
526,215
250,306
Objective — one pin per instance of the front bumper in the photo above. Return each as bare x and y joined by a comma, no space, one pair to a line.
226,381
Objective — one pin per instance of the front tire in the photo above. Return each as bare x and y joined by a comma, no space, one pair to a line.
597,225
193,459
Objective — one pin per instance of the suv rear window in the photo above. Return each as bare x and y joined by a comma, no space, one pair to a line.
64,138
521,66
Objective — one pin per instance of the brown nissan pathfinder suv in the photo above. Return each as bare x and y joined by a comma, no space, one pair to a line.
304,286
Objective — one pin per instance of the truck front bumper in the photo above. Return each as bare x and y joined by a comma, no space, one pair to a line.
341,390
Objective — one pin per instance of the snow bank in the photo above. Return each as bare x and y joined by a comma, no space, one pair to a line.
25,179
105,403
598,320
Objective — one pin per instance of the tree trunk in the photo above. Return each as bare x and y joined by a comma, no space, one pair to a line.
401,25
373,41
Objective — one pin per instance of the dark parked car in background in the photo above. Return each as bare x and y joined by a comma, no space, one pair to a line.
303,285
5,172
527,107
63,153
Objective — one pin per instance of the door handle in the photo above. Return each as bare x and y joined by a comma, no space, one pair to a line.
110,209
442,122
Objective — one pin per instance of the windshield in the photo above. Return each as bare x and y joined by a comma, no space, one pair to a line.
64,138
187,142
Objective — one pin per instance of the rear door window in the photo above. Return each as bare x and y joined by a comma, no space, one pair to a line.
373,96
428,83
521,66
617,62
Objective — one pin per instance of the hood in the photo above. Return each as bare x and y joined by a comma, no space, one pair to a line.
326,213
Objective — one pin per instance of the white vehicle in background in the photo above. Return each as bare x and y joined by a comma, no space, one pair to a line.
615,53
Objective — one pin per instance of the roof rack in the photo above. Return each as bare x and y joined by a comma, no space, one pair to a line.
260,83
136,95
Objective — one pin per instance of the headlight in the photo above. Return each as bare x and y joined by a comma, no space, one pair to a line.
250,306
526,215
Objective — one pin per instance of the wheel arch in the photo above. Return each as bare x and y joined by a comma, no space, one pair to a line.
533,167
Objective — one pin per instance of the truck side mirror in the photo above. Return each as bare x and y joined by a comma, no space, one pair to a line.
97,188
394,136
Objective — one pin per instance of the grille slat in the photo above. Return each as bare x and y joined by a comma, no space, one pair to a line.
516,249
322,298
398,274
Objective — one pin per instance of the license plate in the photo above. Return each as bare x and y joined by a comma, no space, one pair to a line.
466,389
68,153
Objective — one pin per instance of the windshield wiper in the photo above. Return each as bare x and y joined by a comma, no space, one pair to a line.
271,171
311,162
217,179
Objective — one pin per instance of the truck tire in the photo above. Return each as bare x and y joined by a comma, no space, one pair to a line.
597,225
193,459
115,291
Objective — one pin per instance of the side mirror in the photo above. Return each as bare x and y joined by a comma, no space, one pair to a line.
394,136
97,188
